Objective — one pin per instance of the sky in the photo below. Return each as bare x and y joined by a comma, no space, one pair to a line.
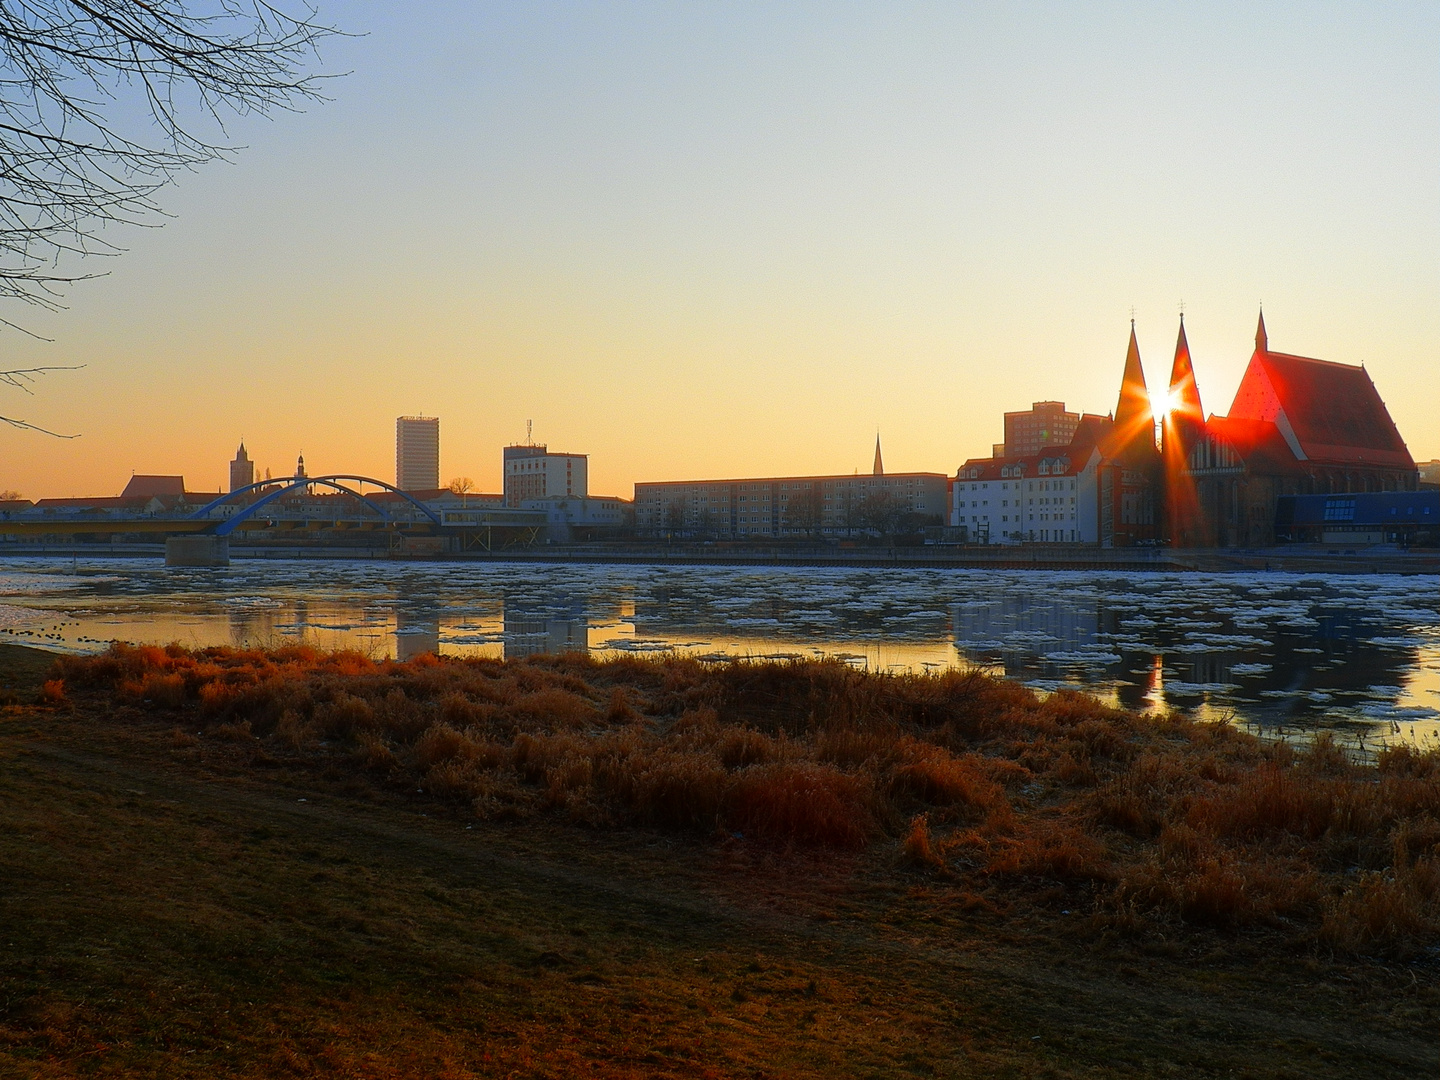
734,239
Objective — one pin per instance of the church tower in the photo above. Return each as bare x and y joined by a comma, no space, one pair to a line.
1184,416
300,467
1182,427
242,469
879,469
1134,417
1127,462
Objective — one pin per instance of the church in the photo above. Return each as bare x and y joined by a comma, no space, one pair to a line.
1158,471
1297,426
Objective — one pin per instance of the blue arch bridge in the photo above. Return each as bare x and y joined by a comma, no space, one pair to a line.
333,510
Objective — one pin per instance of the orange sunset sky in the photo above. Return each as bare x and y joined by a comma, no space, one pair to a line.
727,240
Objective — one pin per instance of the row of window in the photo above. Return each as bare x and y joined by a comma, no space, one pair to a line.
977,519
1045,485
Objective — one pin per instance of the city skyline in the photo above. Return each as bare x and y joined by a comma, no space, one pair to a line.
913,220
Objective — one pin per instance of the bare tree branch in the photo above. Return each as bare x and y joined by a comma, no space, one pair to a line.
21,379
103,102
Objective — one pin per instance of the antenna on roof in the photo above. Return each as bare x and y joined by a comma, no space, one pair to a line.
529,439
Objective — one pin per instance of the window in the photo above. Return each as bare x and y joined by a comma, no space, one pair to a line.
1339,509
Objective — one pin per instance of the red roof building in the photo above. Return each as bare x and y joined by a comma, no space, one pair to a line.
1298,426
146,486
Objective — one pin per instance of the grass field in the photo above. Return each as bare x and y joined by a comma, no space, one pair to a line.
238,864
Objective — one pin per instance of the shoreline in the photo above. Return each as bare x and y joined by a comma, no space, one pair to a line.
1292,559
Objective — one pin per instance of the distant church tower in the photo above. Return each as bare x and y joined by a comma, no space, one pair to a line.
242,469
300,466
879,469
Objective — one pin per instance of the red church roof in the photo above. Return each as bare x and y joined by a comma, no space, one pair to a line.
142,485
1327,412
1259,443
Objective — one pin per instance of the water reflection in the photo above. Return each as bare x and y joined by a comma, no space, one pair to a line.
417,631
1359,654
533,633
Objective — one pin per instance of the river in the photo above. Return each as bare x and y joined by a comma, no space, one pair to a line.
1274,653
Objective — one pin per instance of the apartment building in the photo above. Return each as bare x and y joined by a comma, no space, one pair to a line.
1045,423
1013,500
790,506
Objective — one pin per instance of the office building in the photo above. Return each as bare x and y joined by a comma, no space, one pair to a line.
417,453
534,472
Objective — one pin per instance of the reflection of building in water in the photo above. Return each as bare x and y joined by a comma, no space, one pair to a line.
1024,624
251,626
416,633
531,634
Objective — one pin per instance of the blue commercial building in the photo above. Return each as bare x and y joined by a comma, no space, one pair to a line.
1379,517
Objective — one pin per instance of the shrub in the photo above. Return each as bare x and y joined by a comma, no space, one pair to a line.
918,848
441,742
345,716
555,708
801,802
740,746
1405,760
294,730
1269,799
1394,913
166,691
936,777
675,789
1049,850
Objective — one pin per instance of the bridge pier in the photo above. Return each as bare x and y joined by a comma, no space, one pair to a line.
197,549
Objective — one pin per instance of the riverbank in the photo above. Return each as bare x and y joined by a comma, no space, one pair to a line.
292,862
1292,558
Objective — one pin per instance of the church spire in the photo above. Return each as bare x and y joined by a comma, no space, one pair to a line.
1184,394
1184,414
1262,342
1133,415
879,469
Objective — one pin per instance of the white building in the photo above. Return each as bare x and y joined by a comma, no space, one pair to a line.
1017,500
568,518
533,472
417,453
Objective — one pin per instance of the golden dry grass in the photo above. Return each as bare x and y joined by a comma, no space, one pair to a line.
1142,821
292,864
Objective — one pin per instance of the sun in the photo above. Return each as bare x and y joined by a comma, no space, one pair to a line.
1165,404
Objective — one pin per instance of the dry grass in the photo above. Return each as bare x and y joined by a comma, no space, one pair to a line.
1143,821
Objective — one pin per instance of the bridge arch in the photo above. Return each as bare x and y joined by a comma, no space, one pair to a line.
291,484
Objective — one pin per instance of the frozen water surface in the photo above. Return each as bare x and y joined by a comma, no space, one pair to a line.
1359,654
